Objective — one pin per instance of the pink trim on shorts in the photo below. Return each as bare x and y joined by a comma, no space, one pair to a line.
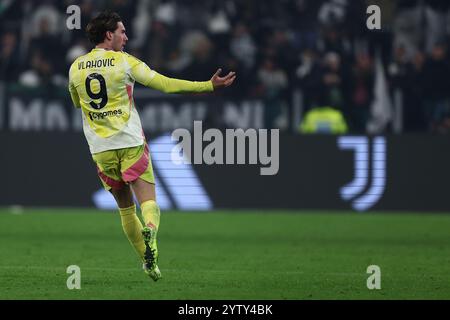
130,95
110,181
134,172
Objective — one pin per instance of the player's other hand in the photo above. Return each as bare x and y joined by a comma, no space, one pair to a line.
221,82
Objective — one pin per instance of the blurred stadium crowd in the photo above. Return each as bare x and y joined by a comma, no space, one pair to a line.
321,47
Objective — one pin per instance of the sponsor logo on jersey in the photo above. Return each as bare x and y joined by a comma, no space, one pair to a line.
103,115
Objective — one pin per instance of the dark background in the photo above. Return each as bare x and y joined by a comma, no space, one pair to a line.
312,171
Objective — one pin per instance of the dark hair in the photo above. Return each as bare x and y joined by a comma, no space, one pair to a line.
103,22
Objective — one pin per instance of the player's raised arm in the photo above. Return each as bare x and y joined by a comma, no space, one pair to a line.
171,85
150,78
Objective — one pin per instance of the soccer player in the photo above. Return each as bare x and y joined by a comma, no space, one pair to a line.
101,84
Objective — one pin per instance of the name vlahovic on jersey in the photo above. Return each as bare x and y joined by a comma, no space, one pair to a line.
100,63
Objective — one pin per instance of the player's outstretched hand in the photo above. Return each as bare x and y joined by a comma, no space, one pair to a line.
221,82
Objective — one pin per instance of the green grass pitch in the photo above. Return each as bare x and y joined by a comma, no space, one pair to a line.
227,255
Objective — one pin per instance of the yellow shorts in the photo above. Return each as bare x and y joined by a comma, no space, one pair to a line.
119,167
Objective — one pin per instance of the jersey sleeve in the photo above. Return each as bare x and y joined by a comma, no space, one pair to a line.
73,91
142,73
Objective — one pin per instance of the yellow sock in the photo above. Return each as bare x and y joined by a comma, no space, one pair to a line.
151,214
132,227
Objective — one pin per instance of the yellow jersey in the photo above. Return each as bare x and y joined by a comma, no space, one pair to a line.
101,83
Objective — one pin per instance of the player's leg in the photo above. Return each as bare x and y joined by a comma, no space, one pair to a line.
108,165
146,196
131,224
137,170
145,193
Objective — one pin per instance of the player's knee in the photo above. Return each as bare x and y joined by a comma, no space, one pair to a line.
123,197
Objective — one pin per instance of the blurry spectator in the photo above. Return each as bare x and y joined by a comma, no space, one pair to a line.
361,92
47,12
40,73
305,23
273,81
9,57
308,77
436,79
192,14
333,81
158,48
242,46
219,26
408,26
281,42
332,40
202,52
48,43
141,24
436,15
166,12
414,117
177,62
398,68
272,77
408,77
218,22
